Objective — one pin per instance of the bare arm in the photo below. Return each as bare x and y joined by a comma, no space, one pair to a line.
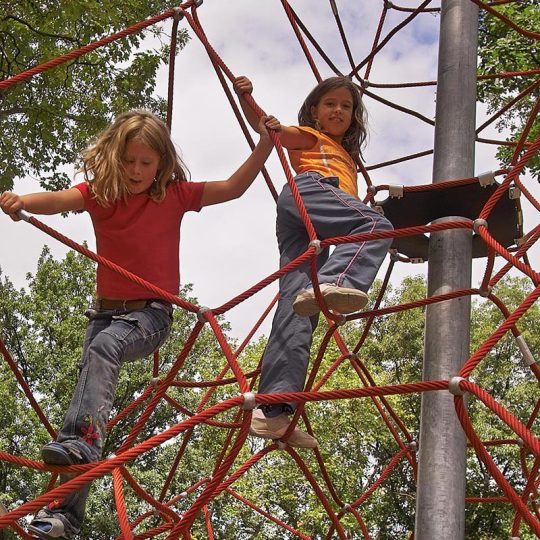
290,136
45,202
235,186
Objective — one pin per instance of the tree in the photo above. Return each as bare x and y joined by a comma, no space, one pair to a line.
503,49
48,119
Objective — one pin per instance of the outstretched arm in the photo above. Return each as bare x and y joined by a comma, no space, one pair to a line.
290,136
235,186
45,202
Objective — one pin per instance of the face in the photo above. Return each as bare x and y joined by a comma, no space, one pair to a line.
334,112
141,164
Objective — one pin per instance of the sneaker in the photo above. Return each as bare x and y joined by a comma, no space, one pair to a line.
340,299
55,453
51,526
276,426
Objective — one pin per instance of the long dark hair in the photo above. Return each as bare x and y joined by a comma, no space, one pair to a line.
356,134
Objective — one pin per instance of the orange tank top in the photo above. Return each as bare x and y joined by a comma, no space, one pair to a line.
328,158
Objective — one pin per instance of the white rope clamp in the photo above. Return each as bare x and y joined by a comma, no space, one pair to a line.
486,179
395,191
520,241
154,381
454,388
249,401
528,358
413,445
346,507
520,442
317,245
23,214
514,192
372,189
201,312
477,223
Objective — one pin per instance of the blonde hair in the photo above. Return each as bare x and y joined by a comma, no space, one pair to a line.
102,161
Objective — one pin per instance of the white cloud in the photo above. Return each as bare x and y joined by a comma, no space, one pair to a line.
228,248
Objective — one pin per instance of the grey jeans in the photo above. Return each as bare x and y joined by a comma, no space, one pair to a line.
333,213
112,337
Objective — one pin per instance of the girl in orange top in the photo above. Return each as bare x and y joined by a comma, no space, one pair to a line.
321,149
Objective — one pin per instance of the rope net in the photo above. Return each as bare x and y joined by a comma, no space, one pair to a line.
220,410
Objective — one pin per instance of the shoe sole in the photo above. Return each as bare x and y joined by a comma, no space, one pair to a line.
37,533
292,440
339,301
56,456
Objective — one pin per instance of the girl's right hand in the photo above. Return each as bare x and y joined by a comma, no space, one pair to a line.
11,203
242,85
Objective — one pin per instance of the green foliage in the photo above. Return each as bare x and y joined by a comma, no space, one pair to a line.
503,49
48,119
43,328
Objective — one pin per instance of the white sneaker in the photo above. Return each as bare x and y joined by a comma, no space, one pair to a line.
274,427
340,299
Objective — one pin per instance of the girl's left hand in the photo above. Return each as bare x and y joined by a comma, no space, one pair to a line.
268,122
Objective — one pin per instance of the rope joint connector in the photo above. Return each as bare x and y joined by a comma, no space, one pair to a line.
372,189
317,245
454,388
178,14
249,401
201,312
520,442
413,446
485,292
346,507
477,223
198,3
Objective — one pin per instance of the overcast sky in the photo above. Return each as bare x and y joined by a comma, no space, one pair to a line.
228,248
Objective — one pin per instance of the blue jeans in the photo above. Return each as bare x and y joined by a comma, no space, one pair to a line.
112,338
333,213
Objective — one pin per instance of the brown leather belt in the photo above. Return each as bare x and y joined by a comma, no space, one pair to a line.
125,305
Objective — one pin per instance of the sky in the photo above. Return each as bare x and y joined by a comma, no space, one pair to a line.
225,249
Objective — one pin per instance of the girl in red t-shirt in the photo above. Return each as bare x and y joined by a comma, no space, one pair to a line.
135,191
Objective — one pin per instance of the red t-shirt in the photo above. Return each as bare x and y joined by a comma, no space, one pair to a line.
142,236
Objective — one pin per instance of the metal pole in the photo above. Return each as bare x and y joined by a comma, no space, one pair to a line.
440,503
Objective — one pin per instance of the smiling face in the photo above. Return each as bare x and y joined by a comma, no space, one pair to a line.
141,164
334,112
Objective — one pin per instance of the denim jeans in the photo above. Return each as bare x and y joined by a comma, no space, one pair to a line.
112,338
333,213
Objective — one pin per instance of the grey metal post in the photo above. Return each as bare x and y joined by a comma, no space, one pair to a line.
440,504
